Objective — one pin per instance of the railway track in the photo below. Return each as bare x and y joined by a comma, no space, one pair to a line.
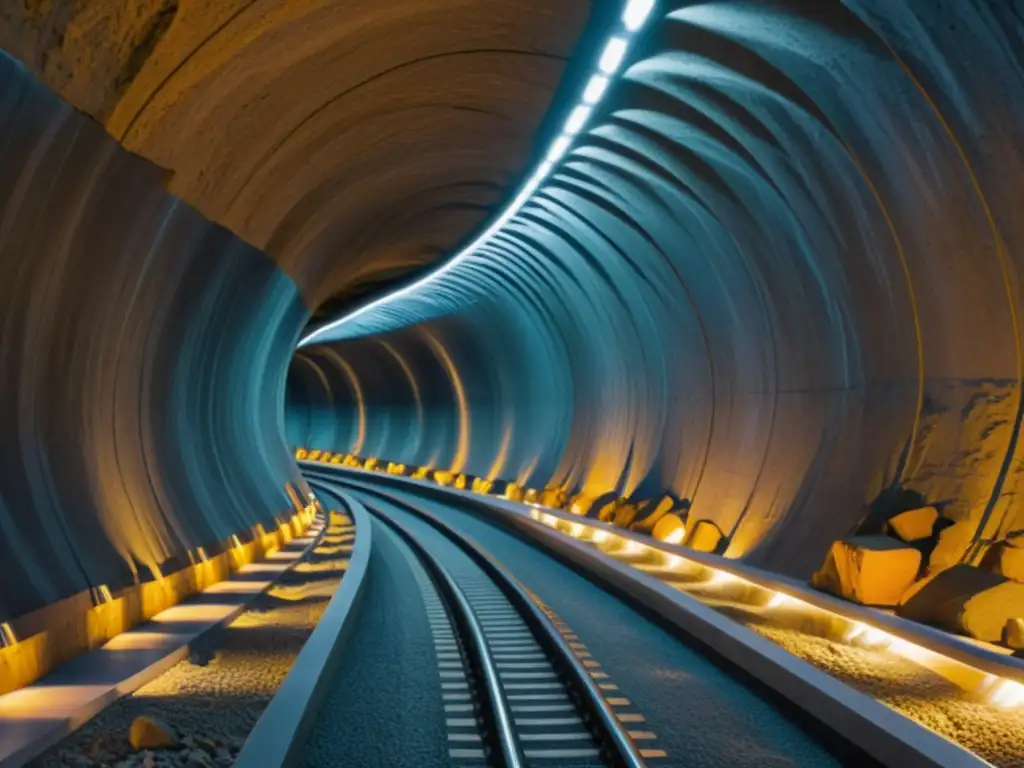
464,652
515,693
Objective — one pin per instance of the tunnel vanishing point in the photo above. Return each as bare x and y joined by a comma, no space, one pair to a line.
763,258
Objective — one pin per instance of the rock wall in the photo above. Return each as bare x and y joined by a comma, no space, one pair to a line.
143,353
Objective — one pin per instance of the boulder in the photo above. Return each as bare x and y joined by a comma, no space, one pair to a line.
604,506
151,733
651,511
624,514
953,542
871,570
1008,560
914,524
1013,633
670,529
553,496
580,504
916,587
705,536
968,600
513,492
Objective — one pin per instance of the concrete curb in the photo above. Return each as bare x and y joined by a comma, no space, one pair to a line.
278,736
886,735
83,714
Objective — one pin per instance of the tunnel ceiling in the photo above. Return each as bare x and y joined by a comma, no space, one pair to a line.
353,140
777,275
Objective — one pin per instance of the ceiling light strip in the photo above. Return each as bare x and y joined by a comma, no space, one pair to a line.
634,16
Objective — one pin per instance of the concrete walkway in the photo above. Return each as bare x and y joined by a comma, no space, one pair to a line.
36,717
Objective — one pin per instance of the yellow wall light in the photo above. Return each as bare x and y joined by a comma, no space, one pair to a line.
7,636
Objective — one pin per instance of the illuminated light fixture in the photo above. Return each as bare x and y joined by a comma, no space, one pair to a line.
599,536
559,148
614,53
595,89
1006,694
201,553
636,14
719,577
577,119
675,562
235,541
676,536
780,599
632,547
724,577
101,594
868,636
7,636
575,530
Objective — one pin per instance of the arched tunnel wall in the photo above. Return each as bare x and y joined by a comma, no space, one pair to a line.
142,363
779,276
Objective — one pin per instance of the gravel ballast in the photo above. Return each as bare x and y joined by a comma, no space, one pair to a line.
212,700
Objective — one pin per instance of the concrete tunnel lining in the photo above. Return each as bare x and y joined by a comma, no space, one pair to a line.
778,277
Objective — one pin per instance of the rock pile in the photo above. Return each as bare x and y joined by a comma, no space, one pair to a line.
919,567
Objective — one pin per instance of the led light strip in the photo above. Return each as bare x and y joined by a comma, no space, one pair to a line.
633,19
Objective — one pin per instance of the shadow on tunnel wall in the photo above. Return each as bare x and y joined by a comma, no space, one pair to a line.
142,363
780,276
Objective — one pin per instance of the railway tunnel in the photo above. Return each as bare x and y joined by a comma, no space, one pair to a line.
757,257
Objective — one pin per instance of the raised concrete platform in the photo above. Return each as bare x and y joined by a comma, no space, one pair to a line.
34,718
